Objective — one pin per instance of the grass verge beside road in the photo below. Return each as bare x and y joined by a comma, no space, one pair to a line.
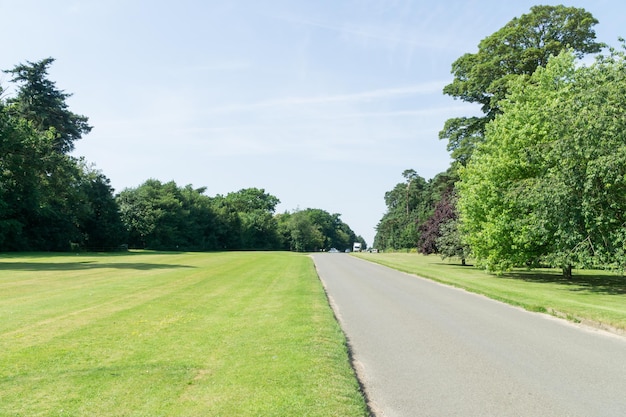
597,298
161,334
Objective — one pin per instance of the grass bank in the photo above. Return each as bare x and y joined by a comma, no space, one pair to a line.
162,334
594,297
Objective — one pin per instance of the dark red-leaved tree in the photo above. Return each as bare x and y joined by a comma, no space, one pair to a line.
430,231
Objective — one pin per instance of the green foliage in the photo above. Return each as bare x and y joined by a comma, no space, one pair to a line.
593,296
252,199
255,211
44,194
303,235
516,50
22,160
227,227
440,233
313,230
463,134
409,206
450,242
168,217
406,203
40,102
51,201
547,186
100,223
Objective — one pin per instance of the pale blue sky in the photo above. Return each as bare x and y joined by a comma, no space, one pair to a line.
322,103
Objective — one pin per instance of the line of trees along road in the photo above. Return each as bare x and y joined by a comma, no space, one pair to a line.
168,217
540,178
52,201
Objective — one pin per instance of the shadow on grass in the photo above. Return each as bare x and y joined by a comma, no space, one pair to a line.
84,265
600,283
70,262
453,264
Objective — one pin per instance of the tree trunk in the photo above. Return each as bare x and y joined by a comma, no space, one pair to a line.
463,262
567,272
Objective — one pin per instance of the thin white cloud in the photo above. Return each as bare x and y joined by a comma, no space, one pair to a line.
312,121
219,66
365,96
364,32
431,112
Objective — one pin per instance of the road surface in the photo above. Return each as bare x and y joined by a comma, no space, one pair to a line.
425,349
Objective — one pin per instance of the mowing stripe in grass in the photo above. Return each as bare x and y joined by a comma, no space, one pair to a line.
152,334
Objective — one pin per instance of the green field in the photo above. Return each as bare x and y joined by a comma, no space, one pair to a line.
596,298
167,334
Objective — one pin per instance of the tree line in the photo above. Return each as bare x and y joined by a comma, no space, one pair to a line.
52,201
165,216
540,178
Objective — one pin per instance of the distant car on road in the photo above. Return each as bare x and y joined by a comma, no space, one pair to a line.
333,250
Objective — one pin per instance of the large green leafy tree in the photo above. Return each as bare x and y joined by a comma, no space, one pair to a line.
409,205
398,227
143,210
167,217
39,101
100,221
301,233
548,186
518,49
45,193
56,221
314,230
45,203
228,224
255,209
24,157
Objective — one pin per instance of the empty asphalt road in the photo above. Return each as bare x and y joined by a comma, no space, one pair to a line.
425,349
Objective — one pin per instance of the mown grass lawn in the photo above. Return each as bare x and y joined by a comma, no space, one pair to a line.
167,334
598,297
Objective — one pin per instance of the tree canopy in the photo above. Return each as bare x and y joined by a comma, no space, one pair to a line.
52,201
541,172
40,102
254,209
409,205
548,185
165,216
48,199
517,49
316,229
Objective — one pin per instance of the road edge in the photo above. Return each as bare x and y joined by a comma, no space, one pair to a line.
356,365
